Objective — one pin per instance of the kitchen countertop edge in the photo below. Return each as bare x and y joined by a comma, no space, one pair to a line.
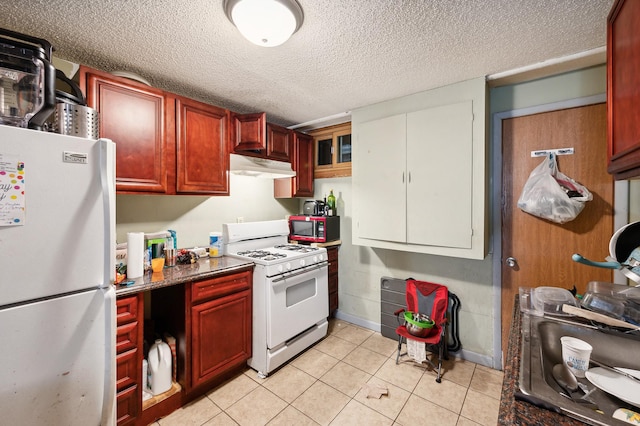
202,269
513,412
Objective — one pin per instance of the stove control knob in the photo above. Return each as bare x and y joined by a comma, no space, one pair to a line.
280,268
315,259
302,262
288,266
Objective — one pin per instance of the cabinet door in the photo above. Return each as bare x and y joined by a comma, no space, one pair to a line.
248,132
303,165
302,184
202,159
623,89
278,143
132,115
221,336
379,177
440,176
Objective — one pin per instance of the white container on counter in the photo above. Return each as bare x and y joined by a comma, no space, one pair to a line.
159,367
215,244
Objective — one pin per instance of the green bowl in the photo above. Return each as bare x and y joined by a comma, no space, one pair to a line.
423,321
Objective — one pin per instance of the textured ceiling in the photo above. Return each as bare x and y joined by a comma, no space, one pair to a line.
347,54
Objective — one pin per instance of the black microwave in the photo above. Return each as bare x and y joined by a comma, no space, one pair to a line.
314,229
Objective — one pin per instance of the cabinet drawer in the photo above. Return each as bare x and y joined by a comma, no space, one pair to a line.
126,337
126,369
333,267
333,302
333,284
332,254
217,287
127,410
126,309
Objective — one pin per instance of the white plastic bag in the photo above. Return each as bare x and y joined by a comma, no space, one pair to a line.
551,195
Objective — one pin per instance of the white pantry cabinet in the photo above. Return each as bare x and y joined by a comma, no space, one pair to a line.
419,172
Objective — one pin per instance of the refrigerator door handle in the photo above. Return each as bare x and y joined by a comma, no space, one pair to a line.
108,180
109,407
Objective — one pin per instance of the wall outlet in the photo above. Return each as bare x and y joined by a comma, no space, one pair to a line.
239,219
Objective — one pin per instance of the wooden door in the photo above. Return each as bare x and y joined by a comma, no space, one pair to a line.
543,249
202,156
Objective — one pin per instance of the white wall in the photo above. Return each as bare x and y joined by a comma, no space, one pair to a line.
193,217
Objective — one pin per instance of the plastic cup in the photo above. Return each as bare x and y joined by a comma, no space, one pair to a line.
157,264
576,354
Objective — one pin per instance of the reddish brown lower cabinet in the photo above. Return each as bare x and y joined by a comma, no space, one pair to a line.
129,317
211,322
220,331
332,255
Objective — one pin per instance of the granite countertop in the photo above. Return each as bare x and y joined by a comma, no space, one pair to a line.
202,269
513,412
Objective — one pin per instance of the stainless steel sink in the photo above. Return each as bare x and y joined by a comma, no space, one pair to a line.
541,350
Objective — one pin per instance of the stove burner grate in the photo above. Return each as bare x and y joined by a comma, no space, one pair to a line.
296,247
261,254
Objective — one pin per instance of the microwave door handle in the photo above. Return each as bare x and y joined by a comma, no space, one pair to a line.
286,276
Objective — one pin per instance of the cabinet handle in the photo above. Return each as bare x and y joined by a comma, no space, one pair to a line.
402,177
409,177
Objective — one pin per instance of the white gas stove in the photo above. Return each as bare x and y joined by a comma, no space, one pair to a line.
283,258
290,290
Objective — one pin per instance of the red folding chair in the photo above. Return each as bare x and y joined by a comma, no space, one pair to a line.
433,300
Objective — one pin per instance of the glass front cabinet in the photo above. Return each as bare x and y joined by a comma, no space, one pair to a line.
332,151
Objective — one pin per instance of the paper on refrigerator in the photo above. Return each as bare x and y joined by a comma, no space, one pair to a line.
12,191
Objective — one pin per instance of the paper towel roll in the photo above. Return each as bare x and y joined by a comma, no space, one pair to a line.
135,254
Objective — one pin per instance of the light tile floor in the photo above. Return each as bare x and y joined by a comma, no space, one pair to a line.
324,386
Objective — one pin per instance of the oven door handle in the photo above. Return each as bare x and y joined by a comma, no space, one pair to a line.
288,275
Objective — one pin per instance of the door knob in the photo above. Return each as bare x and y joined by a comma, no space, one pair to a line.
511,262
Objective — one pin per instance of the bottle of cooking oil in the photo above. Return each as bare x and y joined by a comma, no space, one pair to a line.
331,202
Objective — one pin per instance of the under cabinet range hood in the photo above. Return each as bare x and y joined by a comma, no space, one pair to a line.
259,167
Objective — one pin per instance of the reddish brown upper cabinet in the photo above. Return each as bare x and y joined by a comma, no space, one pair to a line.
248,132
165,143
302,163
623,89
201,150
133,116
251,135
278,143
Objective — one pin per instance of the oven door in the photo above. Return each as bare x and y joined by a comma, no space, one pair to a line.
297,301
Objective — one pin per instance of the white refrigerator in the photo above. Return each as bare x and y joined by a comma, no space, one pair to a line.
57,299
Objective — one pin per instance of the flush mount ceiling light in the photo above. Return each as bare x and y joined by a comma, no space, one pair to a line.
265,22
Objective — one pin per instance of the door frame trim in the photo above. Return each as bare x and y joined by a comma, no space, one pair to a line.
621,204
